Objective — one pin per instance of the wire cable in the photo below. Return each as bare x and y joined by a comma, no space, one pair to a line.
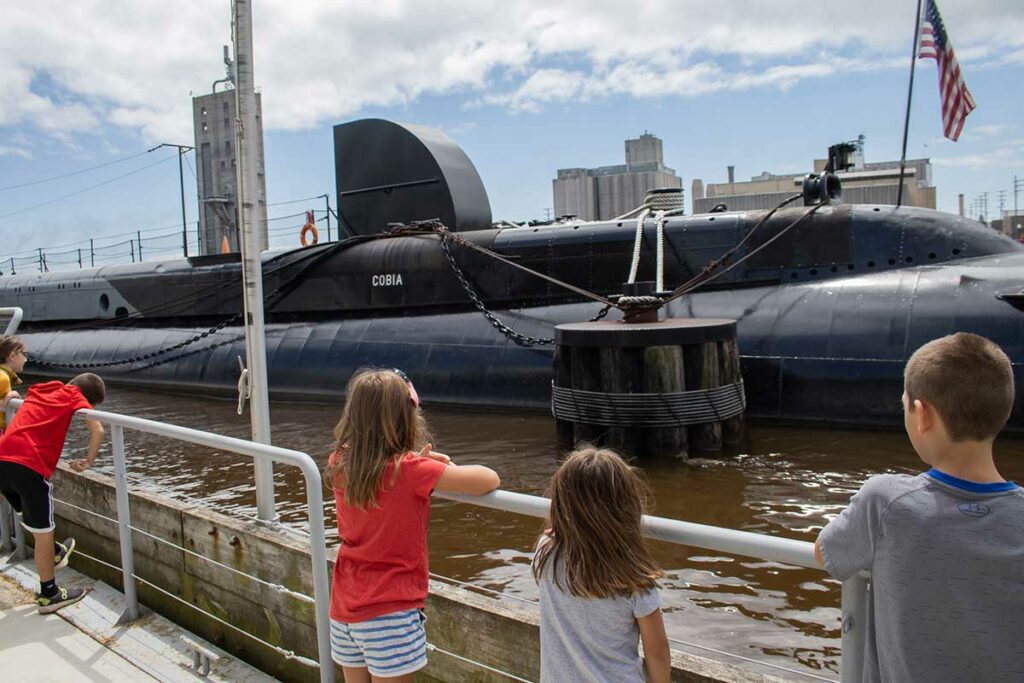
83,190
72,173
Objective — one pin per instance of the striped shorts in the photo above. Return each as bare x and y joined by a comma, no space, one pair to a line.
390,645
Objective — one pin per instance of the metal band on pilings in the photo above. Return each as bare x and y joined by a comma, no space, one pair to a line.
646,409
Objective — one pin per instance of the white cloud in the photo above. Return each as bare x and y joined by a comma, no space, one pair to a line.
68,68
988,130
1007,155
8,150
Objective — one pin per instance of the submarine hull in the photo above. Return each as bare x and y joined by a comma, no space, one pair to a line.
825,352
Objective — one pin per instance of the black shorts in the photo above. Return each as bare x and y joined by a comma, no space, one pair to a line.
30,494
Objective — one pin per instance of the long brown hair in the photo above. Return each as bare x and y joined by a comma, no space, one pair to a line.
597,502
379,424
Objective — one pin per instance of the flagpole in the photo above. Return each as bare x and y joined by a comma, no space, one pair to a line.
910,92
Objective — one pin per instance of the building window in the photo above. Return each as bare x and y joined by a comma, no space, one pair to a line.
202,111
205,127
225,107
227,147
227,123
222,165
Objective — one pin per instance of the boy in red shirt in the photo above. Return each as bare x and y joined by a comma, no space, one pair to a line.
29,451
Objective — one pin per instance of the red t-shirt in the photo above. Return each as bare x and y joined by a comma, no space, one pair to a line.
382,562
35,437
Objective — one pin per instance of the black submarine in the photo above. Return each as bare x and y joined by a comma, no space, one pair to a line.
830,298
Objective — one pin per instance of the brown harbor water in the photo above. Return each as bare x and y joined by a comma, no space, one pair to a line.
781,481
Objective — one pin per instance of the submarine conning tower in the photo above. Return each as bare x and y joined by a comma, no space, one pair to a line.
388,172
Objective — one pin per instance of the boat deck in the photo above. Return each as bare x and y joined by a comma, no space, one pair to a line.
84,642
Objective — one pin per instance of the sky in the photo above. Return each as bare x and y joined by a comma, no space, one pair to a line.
524,87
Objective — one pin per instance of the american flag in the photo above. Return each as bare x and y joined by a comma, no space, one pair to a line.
957,102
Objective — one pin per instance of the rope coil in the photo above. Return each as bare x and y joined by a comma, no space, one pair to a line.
672,409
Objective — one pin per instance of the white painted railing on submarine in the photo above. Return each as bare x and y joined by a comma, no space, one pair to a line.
785,550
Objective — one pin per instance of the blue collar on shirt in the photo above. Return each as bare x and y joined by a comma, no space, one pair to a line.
972,486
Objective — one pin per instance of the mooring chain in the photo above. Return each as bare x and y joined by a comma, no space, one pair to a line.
142,357
518,338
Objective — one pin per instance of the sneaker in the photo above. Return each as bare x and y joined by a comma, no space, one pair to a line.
63,552
62,598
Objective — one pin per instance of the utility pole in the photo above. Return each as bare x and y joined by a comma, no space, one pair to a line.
547,213
182,150
1017,185
984,203
252,262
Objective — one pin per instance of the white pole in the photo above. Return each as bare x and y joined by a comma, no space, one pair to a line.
249,243
124,523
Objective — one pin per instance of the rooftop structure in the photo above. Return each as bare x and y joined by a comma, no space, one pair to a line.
214,118
864,183
608,191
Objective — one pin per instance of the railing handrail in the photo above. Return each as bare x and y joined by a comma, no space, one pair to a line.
787,550
314,503
751,544
16,315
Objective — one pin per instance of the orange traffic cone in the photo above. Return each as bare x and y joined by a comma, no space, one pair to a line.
225,248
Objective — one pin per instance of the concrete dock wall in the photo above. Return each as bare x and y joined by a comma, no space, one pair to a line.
499,633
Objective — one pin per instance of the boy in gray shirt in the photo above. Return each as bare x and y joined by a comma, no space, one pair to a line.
945,548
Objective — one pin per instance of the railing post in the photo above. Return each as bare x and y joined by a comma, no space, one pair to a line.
6,519
19,538
124,525
16,313
855,613
321,587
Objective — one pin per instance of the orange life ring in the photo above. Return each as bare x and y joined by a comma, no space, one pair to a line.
309,227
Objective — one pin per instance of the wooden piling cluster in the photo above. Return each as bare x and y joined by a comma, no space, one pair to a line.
657,389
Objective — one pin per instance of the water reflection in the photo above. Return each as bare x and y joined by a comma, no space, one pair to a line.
780,481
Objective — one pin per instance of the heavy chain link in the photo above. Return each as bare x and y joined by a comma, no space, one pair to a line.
142,357
521,339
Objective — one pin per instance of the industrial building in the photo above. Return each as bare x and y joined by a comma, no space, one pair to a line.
609,191
214,121
864,183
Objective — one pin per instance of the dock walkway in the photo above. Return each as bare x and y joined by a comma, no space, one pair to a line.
84,642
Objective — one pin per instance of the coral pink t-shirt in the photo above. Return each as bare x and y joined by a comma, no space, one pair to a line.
382,562
36,435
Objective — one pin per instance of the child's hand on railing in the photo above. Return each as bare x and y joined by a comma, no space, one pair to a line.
80,465
428,452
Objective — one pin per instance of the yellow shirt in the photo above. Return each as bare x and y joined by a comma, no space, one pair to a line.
8,379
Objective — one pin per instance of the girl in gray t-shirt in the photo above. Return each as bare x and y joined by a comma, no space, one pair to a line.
598,595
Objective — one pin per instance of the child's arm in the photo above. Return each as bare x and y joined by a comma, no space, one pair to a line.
95,441
474,480
7,397
657,654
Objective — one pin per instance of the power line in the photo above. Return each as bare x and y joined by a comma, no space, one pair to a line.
73,173
86,189
296,201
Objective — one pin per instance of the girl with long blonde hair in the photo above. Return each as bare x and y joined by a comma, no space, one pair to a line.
597,580
382,488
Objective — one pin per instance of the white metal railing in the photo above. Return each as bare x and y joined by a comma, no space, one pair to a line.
16,314
260,452
785,550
